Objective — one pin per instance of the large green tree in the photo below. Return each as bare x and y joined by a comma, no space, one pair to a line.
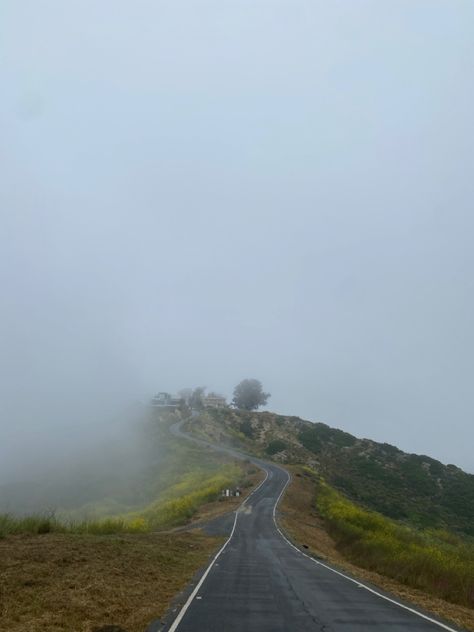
195,399
249,395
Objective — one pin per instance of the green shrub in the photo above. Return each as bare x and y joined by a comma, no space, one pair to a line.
320,434
309,439
275,446
246,428
435,561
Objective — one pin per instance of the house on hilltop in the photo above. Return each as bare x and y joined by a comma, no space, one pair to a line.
213,400
165,400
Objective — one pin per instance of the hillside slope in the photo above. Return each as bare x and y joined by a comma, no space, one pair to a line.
410,487
158,479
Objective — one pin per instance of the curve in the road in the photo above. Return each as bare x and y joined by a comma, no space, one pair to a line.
260,582
183,610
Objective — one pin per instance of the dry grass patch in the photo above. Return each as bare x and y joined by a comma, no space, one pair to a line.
302,522
76,583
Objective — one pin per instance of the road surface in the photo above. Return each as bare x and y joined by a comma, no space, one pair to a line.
260,582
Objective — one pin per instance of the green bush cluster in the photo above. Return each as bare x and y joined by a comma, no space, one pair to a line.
410,487
435,561
320,435
246,428
275,446
414,488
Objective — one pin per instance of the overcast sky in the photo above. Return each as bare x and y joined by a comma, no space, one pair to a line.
195,192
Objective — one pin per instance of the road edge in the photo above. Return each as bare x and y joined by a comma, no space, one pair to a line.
259,463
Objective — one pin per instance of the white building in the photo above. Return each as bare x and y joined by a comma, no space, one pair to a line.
213,400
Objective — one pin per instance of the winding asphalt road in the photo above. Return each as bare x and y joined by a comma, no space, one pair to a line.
260,582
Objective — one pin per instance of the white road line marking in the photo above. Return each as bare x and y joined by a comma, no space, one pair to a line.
183,610
354,581
333,570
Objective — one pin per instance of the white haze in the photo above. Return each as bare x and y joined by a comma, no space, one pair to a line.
197,192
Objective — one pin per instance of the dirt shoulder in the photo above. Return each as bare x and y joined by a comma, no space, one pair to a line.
65,583
301,522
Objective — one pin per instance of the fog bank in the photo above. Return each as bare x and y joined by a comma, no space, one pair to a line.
200,192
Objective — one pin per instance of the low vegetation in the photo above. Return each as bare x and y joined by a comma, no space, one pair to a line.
435,561
41,524
172,488
407,520
69,583
304,523
184,498
275,446
176,506
408,487
399,516
85,568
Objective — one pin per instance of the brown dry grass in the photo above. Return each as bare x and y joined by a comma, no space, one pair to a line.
75,583
301,521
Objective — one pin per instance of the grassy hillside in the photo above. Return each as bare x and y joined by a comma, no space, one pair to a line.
433,560
427,567
106,555
408,487
401,520
174,479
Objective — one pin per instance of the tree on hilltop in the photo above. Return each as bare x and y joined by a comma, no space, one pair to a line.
196,397
249,395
